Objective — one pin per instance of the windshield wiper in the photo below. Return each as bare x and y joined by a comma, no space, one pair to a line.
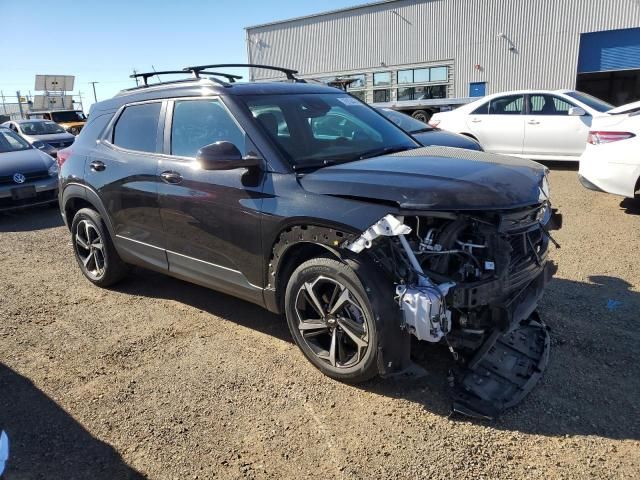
422,130
313,165
385,151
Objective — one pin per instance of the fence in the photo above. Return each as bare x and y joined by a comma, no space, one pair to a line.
10,105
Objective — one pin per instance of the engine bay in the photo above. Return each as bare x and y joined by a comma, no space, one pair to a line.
473,281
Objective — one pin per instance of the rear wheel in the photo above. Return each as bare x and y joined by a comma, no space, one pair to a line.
331,319
422,115
94,250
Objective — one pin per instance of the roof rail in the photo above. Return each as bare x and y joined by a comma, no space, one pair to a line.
287,71
147,75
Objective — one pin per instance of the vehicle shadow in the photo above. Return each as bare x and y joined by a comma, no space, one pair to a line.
631,206
30,219
591,387
46,442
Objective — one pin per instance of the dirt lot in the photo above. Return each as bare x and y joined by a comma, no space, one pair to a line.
161,379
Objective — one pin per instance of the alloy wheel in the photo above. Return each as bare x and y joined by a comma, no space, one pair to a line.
331,322
90,249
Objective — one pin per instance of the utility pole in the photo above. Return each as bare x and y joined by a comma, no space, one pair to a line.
95,98
135,73
81,104
20,105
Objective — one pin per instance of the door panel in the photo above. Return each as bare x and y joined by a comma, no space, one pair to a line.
549,130
211,218
499,124
127,181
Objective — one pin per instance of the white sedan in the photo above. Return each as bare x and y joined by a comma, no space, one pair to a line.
536,124
611,163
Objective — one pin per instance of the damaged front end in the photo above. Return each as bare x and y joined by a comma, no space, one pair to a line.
472,280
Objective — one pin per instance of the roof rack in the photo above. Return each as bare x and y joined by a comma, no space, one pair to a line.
147,75
196,70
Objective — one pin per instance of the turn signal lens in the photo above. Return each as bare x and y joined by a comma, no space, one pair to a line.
63,155
597,138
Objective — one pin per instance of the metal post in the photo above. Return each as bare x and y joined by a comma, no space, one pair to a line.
95,98
4,107
134,72
81,104
20,105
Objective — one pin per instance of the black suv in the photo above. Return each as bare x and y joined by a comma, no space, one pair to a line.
308,202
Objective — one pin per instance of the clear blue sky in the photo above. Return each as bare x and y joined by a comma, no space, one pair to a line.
103,41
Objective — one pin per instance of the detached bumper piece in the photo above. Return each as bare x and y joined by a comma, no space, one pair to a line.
504,372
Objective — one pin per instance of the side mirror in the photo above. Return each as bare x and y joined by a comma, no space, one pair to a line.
577,112
224,156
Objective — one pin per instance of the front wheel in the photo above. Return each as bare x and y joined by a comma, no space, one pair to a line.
332,320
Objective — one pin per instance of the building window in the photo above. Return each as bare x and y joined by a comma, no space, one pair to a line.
405,76
381,96
438,74
422,93
421,75
381,78
359,80
405,93
361,94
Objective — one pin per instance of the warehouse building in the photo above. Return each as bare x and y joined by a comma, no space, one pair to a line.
430,54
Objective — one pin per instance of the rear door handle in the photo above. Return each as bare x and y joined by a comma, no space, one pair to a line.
97,166
476,120
533,122
171,177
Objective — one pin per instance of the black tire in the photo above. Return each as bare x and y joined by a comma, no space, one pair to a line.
422,115
94,250
359,318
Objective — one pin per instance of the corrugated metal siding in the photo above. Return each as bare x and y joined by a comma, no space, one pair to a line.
544,34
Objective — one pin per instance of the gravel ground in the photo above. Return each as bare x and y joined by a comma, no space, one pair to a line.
161,379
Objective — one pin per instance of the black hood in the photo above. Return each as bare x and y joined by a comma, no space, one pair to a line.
434,178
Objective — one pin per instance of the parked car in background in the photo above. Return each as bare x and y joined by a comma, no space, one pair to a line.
426,134
28,176
536,124
44,135
71,120
611,160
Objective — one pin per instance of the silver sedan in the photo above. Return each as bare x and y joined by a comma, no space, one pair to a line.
44,135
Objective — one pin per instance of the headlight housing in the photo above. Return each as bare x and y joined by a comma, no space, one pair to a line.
53,170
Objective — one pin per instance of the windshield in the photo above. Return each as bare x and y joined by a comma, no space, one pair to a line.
312,130
11,142
40,128
404,121
68,116
590,101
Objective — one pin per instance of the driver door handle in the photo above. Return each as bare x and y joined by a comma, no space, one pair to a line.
533,122
476,120
171,177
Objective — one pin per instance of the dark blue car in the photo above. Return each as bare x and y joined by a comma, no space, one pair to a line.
426,134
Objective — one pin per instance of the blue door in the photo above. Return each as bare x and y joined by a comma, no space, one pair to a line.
477,89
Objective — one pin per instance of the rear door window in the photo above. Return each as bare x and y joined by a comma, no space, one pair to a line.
197,123
509,105
137,128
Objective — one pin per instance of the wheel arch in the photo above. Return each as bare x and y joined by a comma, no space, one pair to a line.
295,245
76,197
